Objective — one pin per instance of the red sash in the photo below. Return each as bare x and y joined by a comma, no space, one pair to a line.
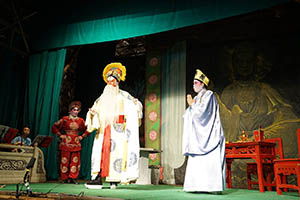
106,152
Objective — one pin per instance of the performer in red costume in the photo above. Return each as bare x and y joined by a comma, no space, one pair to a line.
68,128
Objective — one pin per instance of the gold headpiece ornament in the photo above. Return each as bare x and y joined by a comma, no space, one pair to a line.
201,77
116,70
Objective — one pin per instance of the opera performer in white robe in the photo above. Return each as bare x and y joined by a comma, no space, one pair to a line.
115,116
203,140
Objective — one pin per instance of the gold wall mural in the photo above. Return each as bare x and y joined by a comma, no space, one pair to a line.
246,103
257,85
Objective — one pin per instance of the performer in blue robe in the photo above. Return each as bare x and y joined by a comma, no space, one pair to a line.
203,140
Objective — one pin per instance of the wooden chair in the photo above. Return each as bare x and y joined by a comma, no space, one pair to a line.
285,167
268,167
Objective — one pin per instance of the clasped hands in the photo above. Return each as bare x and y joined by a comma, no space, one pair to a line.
190,100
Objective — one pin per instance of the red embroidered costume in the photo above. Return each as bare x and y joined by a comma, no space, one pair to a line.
68,129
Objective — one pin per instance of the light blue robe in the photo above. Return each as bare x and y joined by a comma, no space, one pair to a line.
204,144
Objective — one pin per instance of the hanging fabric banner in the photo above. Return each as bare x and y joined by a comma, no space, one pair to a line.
153,107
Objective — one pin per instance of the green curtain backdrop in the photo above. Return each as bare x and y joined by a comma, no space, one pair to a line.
42,100
12,81
85,156
116,19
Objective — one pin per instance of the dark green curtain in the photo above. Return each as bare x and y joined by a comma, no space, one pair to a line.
100,21
13,76
42,100
85,156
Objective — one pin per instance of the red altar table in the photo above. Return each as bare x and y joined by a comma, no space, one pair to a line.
259,151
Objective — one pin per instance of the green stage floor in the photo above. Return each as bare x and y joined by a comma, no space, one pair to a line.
148,192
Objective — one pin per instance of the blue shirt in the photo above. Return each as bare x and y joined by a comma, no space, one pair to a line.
26,141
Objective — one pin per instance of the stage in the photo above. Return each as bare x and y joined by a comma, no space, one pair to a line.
56,190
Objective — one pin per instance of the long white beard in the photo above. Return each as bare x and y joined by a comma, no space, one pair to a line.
109,107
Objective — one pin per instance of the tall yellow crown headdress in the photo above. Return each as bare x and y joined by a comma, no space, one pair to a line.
200,76
116,70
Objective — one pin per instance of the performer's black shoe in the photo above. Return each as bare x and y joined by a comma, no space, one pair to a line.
66,181
94,184
73,181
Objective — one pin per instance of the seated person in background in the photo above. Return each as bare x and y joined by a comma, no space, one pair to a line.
23,139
